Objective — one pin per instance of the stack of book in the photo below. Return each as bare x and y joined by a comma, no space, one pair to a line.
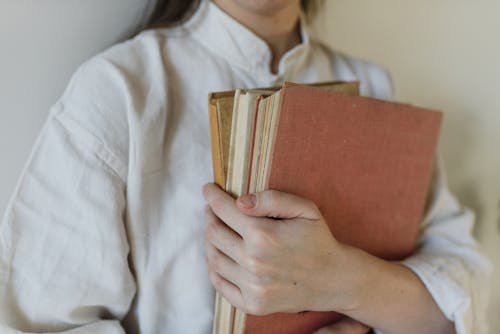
366,163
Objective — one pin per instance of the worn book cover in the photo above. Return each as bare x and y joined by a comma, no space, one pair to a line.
366,163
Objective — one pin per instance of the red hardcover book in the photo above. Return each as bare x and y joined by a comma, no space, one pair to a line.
366,163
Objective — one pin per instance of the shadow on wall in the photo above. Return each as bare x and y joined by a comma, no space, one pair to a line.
459,147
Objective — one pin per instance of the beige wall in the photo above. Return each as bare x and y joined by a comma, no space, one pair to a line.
41,44
443,54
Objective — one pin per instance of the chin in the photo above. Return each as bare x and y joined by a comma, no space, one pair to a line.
266,6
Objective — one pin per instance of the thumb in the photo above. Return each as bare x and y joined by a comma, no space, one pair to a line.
277,204
345,326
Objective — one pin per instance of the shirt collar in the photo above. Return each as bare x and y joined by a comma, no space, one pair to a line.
225,36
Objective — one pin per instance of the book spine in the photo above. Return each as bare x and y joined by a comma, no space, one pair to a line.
223,310
217,165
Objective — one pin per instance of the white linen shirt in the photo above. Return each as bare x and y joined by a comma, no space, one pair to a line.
105,232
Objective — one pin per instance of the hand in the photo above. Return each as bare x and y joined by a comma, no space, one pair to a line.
264,265
345,326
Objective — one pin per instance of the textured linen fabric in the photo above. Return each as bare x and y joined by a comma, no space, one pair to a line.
104,232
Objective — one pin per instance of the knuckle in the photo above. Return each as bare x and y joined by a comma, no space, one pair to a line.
260,285
259,291
207,213
214,263
217,281
211,231
315,208
261,274
259,239
272,198
210,260
214,278
312,206
254,265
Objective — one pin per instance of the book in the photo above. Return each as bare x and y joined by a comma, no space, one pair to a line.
366,163
221,107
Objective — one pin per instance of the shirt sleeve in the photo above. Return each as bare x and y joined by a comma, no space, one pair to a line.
449,262
63,244
448,259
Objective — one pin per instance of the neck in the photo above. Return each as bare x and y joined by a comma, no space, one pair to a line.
277,25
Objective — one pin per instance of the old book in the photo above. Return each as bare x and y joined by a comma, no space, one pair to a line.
220,109
222,105
365,163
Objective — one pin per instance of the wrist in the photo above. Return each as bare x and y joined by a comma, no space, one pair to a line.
382,294
347,276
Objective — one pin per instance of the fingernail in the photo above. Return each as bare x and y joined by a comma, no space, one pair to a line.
248,201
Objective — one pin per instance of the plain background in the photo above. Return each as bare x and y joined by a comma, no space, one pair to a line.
442,54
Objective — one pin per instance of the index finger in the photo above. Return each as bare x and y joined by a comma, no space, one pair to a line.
224,207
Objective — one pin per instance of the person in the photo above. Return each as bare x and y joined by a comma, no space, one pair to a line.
105,231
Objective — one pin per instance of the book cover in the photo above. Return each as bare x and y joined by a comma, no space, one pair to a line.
366,163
